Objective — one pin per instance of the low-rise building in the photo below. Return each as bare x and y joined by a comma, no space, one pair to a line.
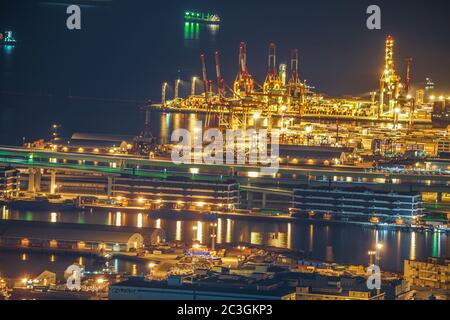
435,273
307,293
9,182
357,202
211,288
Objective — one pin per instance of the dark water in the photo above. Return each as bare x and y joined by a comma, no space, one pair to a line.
344,244
19,265
96,79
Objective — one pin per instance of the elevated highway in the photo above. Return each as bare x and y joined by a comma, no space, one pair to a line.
249,176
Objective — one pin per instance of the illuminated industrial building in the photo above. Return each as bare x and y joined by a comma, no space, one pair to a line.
357,202
9,182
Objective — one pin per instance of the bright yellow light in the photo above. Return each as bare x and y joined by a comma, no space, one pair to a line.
151,265
200,204
119,198
283,108
141,200
194,170
379,246
65,149
408,96
96,150
256,115
308,129
432,97
100,280
80,149
441,98
159,201
253,174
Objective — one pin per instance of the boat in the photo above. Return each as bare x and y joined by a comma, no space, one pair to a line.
201,17
7,38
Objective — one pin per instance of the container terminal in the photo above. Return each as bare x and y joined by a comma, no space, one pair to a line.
392,156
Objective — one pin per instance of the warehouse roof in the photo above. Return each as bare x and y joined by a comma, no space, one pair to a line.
102,137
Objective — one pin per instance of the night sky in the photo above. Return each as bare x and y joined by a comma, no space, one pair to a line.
127,48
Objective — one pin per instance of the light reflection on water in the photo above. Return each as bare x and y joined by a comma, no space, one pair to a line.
342,243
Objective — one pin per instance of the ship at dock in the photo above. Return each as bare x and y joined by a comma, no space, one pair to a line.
7,38
201,17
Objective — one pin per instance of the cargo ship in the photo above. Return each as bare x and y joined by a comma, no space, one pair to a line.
201,17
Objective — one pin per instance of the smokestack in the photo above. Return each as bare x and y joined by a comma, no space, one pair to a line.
193,86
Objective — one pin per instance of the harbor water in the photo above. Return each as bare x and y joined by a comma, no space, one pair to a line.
348,244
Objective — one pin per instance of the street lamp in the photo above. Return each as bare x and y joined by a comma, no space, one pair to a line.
213,236
371,254
379,248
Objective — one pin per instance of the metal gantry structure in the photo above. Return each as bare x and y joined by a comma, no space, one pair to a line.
234,106
246,102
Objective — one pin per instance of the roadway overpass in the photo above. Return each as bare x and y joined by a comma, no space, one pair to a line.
250,178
